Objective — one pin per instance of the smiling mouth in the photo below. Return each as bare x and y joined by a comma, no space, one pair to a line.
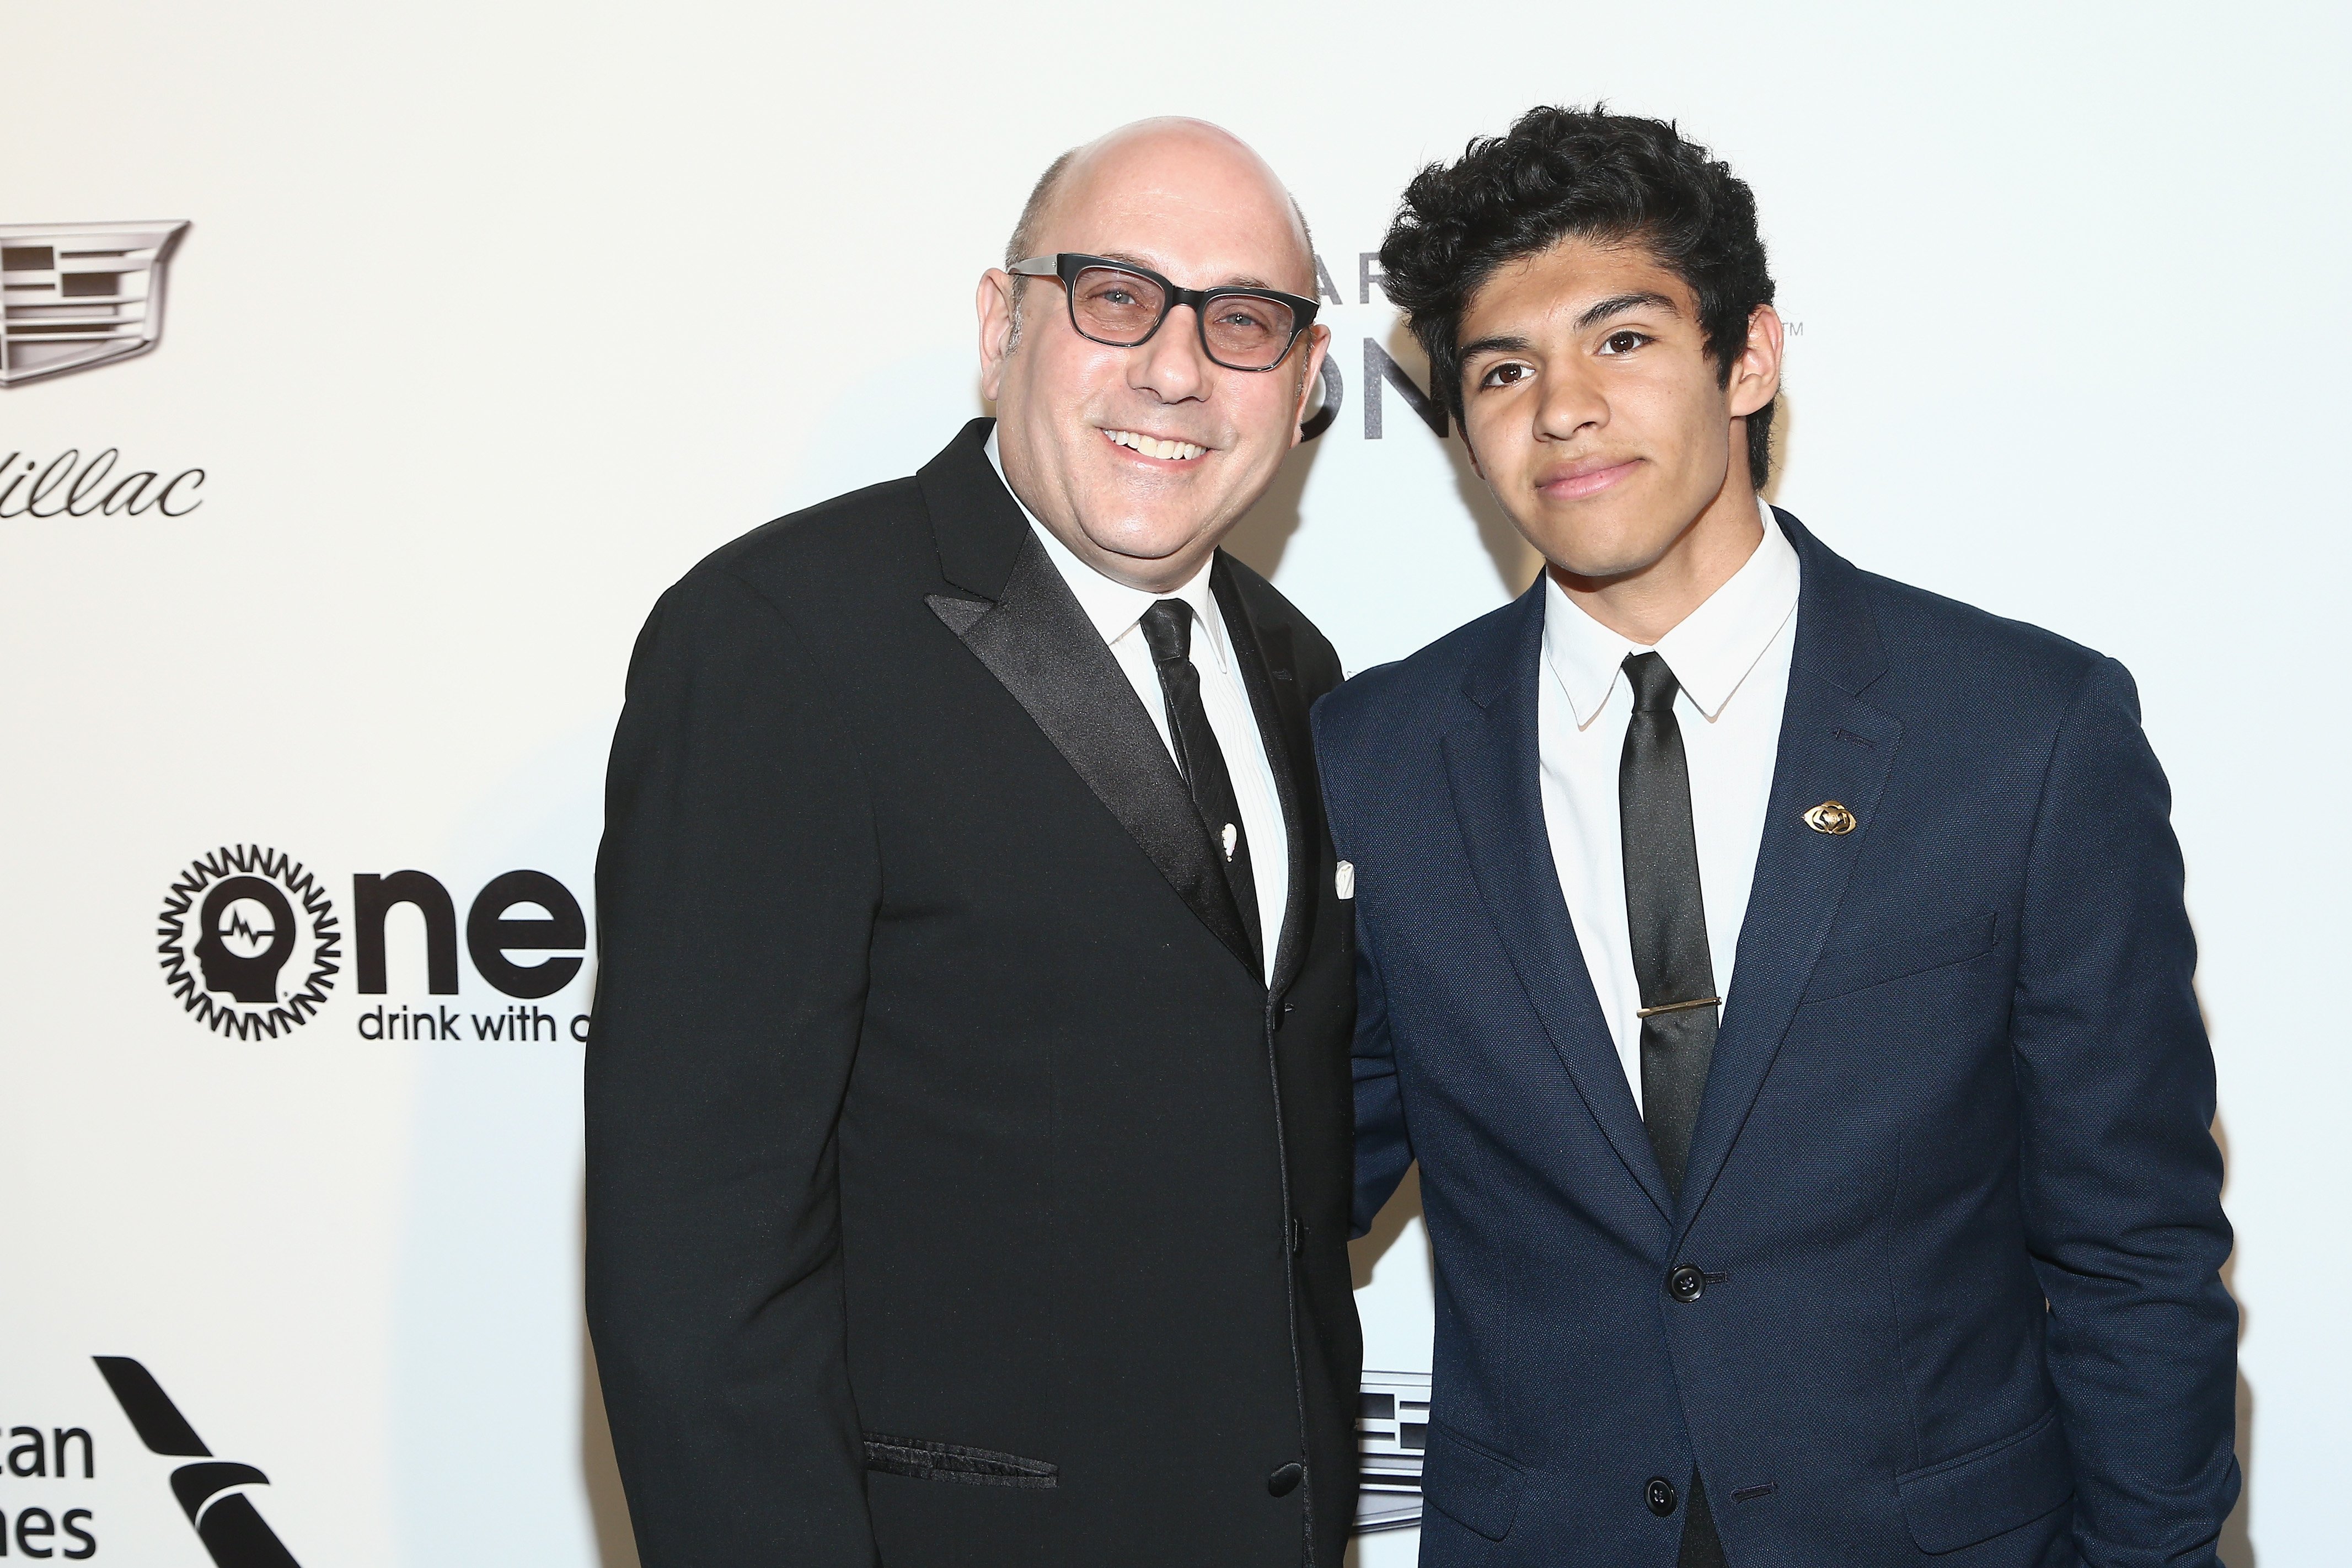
1153,447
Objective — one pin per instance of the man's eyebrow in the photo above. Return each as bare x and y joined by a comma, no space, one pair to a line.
1618,304
1129,259
1238,280
1615,305
1501,344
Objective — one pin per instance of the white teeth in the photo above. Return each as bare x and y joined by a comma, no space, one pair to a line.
1153,447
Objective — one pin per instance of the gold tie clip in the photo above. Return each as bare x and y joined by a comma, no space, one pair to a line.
1677,1007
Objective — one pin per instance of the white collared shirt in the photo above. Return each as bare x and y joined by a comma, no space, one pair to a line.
1117,612
1730,656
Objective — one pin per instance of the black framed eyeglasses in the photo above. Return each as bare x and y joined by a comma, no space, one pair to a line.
1121,305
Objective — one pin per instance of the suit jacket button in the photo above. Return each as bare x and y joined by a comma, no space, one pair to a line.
1285,1479
1659,1493
1687,1284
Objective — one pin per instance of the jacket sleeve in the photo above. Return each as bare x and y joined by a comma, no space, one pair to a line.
1383,1153
2121,1177
736,888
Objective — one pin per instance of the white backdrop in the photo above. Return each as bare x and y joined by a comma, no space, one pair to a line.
492,318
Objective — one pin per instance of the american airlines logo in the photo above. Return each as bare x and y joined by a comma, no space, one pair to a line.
78,295
211,1492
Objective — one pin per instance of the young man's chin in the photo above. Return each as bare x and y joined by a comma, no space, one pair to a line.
1598,554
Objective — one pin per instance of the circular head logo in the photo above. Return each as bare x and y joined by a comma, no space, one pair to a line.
249,942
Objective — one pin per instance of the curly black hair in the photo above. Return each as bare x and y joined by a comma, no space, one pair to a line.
1562,172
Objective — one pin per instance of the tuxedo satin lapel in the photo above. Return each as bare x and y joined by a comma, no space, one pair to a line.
976,525
1281,713
1834,746
1038,643
1492,763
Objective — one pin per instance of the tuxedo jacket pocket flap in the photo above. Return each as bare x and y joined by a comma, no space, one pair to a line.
1990,1490
1471,1485
928,1461
1856,969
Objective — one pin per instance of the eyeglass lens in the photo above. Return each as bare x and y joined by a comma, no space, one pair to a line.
1244,331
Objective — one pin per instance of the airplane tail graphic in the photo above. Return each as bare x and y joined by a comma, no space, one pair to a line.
228,1525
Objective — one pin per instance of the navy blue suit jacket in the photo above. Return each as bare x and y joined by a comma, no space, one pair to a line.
1953,1184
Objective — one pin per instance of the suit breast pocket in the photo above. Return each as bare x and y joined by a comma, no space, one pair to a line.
1849,969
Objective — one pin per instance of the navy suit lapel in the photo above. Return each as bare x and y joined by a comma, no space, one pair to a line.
1281,714
1492,761
1834,746
1028,628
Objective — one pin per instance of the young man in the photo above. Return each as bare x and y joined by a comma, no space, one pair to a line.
1780,973
968,1090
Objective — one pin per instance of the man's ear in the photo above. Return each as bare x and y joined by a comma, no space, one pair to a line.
1756,373
1319,343
994,304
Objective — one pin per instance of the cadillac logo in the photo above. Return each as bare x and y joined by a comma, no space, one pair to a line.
78,295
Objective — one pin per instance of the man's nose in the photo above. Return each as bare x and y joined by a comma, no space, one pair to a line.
1172,366
1570,403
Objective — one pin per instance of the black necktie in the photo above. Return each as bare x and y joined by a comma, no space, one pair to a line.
1168,630
1667,921
1665,917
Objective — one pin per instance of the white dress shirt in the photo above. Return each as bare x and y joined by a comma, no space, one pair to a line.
1117,612
1730,656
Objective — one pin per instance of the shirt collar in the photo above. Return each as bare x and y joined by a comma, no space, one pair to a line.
1114,607
1710,652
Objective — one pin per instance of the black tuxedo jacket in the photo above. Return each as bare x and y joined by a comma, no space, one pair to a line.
957,1192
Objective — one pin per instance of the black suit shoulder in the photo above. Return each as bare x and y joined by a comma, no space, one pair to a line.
774,625
824,564
1319,661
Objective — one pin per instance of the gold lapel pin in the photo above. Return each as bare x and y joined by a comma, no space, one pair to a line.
1831,817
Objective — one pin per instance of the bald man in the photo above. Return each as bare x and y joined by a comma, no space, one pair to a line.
968,1095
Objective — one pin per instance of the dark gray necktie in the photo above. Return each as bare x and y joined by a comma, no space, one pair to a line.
1168,630
1667,921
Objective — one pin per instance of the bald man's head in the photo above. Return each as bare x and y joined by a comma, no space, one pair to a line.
1041,196
1143,136
1141,454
